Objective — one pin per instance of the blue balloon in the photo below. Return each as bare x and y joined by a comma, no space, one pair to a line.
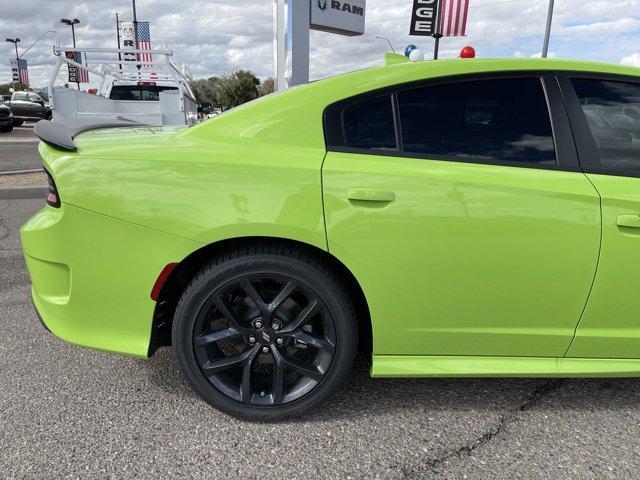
409,49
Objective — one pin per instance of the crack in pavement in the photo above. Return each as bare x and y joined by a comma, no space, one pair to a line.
511,416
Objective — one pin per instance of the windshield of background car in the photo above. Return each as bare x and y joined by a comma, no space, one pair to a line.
144,93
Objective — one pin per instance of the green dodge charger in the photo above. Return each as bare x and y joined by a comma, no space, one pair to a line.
451,218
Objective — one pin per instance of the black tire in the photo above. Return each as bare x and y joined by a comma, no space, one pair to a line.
18,123
6,129
270,272
48,116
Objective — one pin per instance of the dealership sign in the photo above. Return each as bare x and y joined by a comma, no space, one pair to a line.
337,16
128,40
15,76
424,17
73,70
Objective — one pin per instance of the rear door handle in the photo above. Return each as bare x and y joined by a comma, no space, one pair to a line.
370,195
629,221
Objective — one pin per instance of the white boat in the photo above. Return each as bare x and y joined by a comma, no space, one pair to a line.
152,92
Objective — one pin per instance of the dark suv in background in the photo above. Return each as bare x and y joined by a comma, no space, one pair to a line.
28,106
6,118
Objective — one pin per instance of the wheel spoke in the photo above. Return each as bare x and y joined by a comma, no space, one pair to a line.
250,290
310,371
278,377
304,317
225,363
203,340
287,290
309,339
245,384
229,313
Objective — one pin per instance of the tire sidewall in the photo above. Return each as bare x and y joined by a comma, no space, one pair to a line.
211,279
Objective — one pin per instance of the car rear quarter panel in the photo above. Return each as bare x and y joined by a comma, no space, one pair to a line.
235,176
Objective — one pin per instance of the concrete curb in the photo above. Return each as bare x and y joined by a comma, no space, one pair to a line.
23,193
18,172
18,141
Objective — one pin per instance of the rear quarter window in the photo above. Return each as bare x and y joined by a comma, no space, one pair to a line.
612,112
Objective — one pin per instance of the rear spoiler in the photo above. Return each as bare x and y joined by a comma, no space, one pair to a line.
61,136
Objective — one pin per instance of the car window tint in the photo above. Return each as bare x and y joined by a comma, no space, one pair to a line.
21,96
501,119
145,93
369,124
612,110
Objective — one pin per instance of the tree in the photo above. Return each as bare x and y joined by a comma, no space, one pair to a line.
267,86
237,88
4,87
227,91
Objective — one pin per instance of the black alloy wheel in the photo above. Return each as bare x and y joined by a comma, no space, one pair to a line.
265,336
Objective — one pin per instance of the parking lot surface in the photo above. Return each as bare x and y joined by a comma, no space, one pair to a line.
68,412
19,150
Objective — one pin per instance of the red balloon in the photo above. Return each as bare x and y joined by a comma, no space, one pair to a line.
468,52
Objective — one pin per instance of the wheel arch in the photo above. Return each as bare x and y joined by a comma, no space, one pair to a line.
189,266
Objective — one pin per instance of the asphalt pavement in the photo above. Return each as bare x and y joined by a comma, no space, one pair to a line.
69,412
19,150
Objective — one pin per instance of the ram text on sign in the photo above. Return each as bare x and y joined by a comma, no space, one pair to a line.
337,16
424,17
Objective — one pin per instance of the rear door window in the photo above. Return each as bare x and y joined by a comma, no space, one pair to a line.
612,111
503,120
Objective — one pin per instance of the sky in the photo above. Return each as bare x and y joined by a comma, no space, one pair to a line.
214,37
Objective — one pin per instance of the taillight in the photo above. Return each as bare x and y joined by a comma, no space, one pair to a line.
53,199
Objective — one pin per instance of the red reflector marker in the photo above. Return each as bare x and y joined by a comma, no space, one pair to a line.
52,199
468,52
162,278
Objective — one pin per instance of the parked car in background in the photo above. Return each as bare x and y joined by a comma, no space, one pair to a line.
28,106
6,118
456,218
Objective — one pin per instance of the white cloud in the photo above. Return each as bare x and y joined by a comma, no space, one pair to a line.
633,60
539,55
603,29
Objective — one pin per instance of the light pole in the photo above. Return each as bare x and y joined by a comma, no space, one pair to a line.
73,23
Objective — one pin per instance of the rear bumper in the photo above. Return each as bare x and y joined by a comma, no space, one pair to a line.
92,275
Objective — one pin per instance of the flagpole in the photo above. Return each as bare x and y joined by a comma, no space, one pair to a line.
118,37
135,31
547,32
438,34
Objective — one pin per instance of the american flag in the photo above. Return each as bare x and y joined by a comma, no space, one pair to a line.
82,73
144,41
453,22
23,72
